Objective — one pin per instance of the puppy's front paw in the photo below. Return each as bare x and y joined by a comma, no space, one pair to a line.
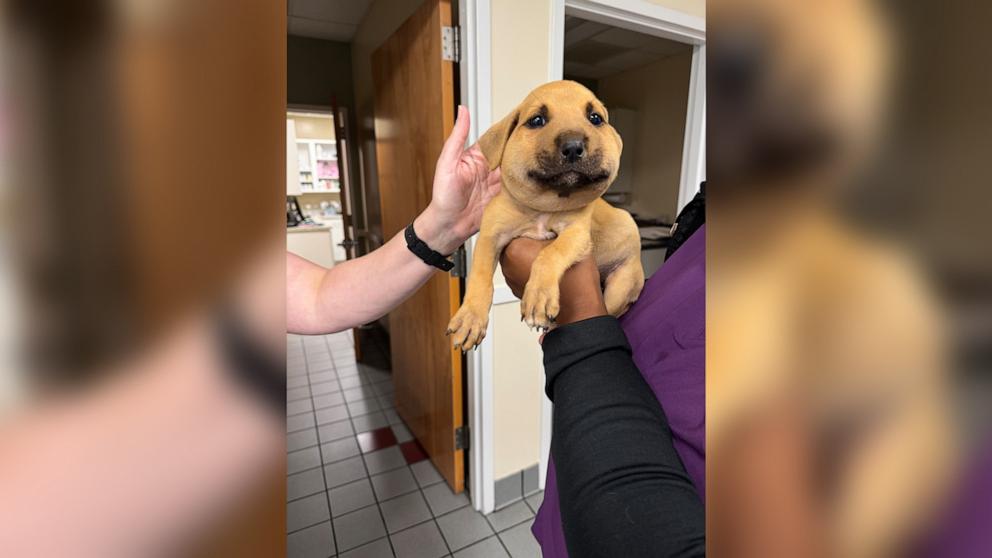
468,327
539,305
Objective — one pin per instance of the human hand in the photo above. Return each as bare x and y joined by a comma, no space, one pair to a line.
463,185
581,295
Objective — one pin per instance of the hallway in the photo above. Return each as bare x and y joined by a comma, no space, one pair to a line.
358,484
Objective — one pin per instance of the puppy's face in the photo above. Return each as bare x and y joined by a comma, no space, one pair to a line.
795,86
557,150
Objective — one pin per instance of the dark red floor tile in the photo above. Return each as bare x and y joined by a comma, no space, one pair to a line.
376,439
412,452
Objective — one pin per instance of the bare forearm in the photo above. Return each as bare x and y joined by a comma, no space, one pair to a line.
361,290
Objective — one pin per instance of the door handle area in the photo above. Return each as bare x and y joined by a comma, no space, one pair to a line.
348,243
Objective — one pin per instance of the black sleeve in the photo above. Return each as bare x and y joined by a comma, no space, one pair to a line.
622,488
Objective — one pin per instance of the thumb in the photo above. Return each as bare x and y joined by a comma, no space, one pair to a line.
455,143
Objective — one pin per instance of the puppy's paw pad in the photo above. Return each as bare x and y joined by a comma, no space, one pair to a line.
539,306
467,328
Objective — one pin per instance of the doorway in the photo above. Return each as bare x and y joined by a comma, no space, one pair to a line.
644,82
381,62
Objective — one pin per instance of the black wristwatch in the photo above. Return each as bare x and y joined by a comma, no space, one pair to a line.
424,252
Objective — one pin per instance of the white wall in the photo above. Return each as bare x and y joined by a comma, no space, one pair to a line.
692,7
517,394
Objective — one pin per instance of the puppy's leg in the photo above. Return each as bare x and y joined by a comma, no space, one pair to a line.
623,285
539,305
468,326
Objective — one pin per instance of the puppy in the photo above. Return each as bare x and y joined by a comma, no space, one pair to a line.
558,154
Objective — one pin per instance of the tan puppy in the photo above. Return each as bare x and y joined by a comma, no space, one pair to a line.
558,154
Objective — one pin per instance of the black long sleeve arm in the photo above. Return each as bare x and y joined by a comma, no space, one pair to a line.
622,488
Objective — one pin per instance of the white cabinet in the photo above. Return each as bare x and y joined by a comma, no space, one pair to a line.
292,165
317,164
318,244
312,243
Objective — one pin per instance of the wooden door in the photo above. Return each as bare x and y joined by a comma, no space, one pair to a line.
414,113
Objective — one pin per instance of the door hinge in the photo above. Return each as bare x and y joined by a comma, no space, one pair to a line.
459,259
450,44
462,438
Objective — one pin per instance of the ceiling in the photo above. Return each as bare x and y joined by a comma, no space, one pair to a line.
595,50
334,20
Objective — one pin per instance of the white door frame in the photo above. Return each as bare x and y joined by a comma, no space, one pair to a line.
475,70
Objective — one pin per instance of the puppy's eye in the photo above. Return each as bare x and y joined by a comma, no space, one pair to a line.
595,118
537,121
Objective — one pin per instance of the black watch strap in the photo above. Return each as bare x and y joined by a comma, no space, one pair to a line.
424,252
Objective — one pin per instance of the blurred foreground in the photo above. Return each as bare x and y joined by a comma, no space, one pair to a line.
141,151
849,308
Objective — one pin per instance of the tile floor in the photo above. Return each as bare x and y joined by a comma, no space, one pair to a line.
359,485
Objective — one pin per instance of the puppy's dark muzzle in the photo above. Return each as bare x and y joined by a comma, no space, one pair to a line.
567,176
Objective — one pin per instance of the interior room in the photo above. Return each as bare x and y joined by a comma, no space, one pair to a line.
397,446
644,82
314,228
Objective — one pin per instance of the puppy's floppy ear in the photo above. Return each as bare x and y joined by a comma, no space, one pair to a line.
494,140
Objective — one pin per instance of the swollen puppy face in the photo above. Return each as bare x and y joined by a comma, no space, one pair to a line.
557,150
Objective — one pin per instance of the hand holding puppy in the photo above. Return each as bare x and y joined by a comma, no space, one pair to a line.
581,290
463,185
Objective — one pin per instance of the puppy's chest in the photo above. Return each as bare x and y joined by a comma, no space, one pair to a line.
545,226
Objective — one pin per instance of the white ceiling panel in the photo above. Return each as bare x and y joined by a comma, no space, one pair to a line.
338,11
577,69
583,31
320,29
326,19
594,50
623,38
629,59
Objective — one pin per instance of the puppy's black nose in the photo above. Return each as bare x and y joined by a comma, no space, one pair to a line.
573,150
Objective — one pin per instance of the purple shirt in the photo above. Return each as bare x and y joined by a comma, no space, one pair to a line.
666,329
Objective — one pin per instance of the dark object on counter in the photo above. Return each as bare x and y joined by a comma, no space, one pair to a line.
649,222
294,216
692,216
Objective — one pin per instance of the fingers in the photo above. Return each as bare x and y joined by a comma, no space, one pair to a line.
493,186
455,143
495,178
